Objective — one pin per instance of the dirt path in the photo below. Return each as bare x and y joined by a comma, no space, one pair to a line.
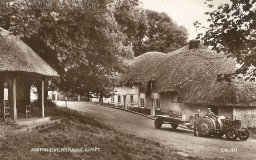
181,139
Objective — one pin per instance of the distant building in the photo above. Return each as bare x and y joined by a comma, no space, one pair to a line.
125,93
53,96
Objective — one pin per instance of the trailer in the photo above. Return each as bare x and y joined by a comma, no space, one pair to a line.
173,121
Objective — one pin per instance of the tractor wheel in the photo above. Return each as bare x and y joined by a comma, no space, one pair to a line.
158,123
243,135
174,126
231,134
205,127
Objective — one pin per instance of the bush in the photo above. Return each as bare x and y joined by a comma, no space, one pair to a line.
146,111
140,110
252,131
159,112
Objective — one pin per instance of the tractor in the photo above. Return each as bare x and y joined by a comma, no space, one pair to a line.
210,126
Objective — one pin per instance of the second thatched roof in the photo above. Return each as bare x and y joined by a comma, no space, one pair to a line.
193,74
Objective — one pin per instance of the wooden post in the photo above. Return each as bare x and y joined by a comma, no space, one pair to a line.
42,99
2,99
14,100
66,100
139,105
124,98
39,91
45,90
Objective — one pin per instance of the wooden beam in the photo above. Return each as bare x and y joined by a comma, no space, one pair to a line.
2,99
14,100
42,99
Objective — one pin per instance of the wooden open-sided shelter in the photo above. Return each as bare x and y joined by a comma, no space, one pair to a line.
20,66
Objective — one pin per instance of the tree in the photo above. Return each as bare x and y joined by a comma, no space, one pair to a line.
82,43
148,30
133,22
232,31
164,35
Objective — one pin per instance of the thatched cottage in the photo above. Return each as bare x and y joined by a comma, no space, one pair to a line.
20,68
186,80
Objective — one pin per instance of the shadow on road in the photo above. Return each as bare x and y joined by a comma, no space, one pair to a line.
179,130
190,132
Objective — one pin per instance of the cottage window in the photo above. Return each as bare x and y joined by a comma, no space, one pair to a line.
156,103
174,98
119,99
6,94
132,101
112,98
142,102
152,85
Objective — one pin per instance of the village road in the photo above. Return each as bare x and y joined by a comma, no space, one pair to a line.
180,139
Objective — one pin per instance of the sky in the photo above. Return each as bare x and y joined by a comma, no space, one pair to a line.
183,12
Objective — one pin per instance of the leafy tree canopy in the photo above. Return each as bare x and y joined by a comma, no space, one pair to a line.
232,31
83,44
164,35
132,21
148,30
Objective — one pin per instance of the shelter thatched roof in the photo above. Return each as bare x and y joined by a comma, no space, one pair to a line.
193,74
16,56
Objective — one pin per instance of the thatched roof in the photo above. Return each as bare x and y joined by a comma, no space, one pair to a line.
16,56
121,79
192,74
146,61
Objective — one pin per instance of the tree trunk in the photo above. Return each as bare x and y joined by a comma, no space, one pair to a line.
45,90
101,99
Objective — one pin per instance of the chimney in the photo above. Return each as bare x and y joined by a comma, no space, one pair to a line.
194,44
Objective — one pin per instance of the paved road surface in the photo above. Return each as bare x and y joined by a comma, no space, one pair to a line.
180,139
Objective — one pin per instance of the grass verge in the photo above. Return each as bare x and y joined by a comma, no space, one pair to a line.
73,129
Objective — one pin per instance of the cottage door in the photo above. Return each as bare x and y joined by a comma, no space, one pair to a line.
125,107
153,105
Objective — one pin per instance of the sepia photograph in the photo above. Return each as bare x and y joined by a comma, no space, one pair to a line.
127,79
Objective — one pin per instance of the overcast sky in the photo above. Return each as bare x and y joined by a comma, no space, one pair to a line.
183,12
